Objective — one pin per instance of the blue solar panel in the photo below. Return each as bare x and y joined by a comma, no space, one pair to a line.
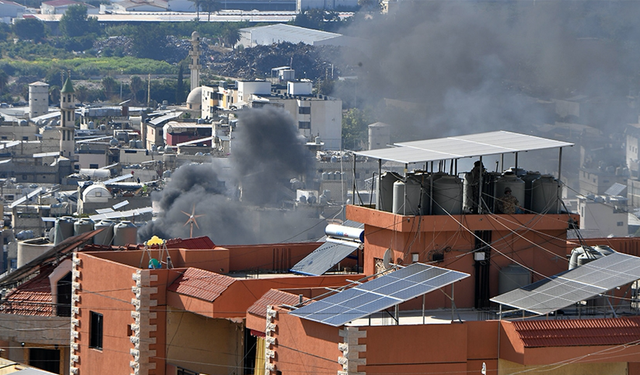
578,284
378,294
324,257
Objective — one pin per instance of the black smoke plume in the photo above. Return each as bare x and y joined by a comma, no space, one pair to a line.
240,198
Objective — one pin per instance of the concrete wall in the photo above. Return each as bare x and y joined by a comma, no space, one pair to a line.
201,344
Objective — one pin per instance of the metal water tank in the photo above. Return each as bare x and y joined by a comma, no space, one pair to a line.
516,184
385,191
82,226
447,195
512,277
132,143
545,195
125,233
406,197
106,236
325,176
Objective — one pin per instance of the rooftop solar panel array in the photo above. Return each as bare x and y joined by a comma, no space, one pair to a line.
324,257
578,284
378,294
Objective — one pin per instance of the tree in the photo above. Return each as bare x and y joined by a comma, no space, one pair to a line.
209,6
110,85
75,23
136,86
29,28
229,36
4,79
180,85
149,42
354,128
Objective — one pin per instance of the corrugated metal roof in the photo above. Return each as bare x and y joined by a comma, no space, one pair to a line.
581,332
274,298
201,284
473,145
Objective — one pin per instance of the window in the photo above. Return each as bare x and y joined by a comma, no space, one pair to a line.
304,124
620,223
304,110
95,330
25,138
94,166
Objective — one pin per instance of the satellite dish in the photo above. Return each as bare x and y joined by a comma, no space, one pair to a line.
386,259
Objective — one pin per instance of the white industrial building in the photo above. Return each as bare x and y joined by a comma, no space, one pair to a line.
10,10
280,33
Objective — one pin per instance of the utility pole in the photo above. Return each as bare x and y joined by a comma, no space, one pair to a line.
149,90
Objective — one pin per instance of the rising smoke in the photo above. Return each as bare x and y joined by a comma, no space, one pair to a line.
461,67
239,197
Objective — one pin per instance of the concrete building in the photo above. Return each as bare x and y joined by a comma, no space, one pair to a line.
38,99
603,216
316,116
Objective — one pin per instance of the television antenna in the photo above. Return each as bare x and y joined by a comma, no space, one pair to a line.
192,220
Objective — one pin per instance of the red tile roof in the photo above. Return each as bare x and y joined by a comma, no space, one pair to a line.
203,242
273,297
581,332
201,284
30,298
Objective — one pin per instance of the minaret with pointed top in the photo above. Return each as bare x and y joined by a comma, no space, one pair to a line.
67,120
195,60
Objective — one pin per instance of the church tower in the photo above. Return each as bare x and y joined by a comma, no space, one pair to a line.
67,120
195,60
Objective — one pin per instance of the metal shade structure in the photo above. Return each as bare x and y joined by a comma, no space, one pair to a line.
467,146
324,257
570,287
378,294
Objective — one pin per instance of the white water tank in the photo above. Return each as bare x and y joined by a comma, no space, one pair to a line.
385,191
406,197
29,250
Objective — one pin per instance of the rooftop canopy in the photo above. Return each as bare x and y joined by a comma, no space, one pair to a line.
466,146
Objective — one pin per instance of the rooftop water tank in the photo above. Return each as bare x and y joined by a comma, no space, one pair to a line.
125,233
83,225
512,277
385,191
516,184
545,195
63,229
106,236
406,197
447,196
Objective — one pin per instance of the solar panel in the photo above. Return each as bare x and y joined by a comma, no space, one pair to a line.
324,257
570,287
615,189
378,294
120,205
121,214
118,179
